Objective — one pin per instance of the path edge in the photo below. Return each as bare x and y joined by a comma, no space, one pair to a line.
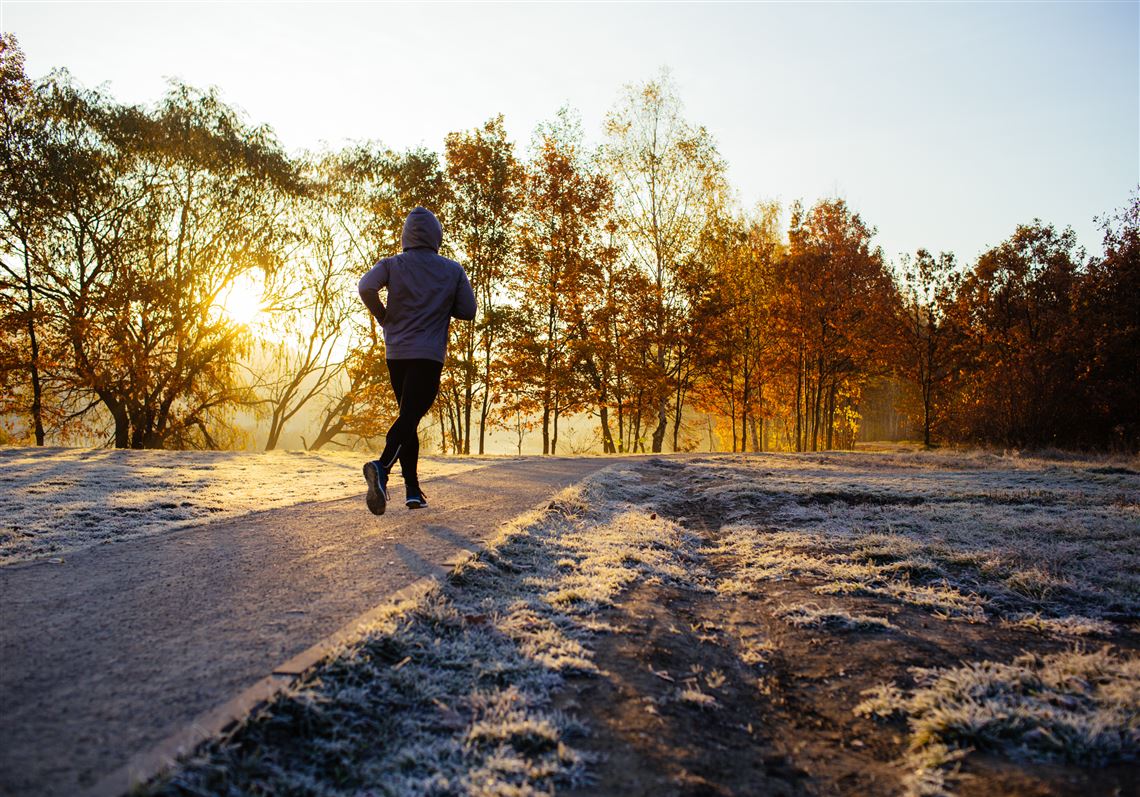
144,767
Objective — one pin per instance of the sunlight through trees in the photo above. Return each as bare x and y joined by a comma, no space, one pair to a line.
168,269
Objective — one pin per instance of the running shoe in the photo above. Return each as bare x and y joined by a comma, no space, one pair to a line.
416,498
377,478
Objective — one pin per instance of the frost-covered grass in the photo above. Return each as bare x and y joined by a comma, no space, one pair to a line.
965,536
1042,544
54,500
1071,625
1077,707
831,618
453,695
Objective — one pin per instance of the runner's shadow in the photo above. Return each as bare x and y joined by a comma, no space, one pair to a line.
454,537
418,564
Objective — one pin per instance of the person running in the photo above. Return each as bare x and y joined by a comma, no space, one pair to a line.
425,291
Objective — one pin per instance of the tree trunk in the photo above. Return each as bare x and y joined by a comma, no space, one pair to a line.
486,406
119,415
454,420
276,424
662,422
799,398
468,401
763,439
745,398
926,408
621,425
831,408
607,437
34,365
546,429
678,408
635,424
817,408
743,428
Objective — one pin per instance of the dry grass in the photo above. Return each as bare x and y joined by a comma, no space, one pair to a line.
844,569
1070,625
811,616
1048,545
1054,540
1078,707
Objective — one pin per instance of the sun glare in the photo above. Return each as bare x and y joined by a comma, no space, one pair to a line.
243,300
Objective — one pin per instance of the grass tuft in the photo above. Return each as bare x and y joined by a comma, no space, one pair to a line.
1077,707
833,618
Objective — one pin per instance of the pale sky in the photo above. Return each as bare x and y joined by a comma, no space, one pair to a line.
944,124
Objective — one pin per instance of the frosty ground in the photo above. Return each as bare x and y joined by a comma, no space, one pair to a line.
782,624
54,501
777,624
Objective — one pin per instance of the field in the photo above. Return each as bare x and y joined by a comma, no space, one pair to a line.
854,624
54,500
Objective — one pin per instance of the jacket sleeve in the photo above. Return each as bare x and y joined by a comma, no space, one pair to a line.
369,289
463,307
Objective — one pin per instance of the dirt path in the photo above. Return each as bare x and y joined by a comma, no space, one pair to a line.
708,694
783,725
110,652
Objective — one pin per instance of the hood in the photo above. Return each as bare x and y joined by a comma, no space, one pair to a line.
422,228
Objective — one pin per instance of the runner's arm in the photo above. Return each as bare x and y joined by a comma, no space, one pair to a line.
463,307
369,289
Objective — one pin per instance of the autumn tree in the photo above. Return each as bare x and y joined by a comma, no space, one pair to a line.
835,299
157,212
1015,308
603,321
485,198
215,212
926,332
301,353
737,352
1108,324
24,212
88,244
662,168
565,202
366,195
387,185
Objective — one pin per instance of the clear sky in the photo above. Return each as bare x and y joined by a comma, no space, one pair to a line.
944,124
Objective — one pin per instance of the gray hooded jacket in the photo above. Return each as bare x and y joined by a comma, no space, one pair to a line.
425,291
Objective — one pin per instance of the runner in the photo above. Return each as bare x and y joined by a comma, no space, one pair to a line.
425,291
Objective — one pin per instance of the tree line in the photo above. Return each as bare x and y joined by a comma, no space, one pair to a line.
621,280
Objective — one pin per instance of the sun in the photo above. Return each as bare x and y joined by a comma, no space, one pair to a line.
243,300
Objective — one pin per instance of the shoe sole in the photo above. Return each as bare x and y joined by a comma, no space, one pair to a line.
416,504
376,499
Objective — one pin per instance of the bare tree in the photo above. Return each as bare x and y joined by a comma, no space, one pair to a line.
315,299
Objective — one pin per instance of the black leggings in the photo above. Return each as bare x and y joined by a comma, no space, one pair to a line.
416,384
